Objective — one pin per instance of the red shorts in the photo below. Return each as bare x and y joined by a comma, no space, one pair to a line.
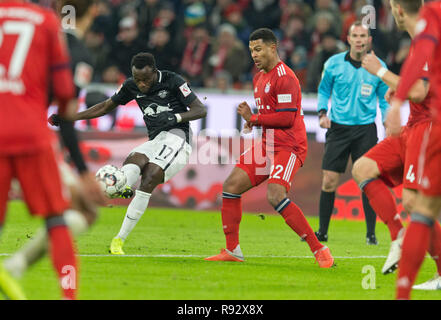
397,157
280,167
389,155
430,161
39,177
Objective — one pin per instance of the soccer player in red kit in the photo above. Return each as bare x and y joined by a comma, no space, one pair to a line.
33,57
427,49
394,160
279,156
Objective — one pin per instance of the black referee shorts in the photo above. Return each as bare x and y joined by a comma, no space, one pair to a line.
343,140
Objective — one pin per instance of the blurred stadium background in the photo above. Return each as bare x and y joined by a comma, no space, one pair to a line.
207,43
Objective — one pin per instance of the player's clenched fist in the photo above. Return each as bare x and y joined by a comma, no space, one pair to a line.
245,111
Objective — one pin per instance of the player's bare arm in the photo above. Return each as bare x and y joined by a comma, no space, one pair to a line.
197,111
372,64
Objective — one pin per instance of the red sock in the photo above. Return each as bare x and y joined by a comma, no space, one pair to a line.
383,203
231,216
295,218
415,245
435,246
63,259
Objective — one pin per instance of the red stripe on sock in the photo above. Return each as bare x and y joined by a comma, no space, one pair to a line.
296,220
231,217
383,203
64,261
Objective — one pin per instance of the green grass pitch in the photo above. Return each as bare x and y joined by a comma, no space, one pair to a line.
164,260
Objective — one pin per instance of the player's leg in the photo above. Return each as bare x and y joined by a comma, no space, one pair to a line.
243,177
78,218
163,157
132,168
49,202
382,167
365,137
416,242
8,286
285,166
327,198
152,176
427,206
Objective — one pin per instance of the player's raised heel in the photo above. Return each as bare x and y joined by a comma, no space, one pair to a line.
9,286
226,255
116,246
324,258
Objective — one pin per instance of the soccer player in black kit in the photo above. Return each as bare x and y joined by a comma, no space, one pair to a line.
168,104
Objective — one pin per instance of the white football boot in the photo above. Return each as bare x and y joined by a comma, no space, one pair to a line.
394,255
432,284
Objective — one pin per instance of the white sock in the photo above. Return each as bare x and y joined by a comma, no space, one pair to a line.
135,210
132,173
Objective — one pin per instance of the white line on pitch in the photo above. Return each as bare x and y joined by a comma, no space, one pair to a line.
204,256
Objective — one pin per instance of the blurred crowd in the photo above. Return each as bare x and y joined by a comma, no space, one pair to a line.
207,40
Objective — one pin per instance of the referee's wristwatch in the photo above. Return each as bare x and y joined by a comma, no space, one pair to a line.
322,112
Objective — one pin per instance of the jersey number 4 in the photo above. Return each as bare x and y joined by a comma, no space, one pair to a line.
25,32
410,175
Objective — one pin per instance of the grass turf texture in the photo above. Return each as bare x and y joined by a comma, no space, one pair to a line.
170,245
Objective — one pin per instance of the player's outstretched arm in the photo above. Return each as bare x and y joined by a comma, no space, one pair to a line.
96,111
197,111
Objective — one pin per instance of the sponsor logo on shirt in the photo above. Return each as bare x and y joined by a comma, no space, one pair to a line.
185,90
284,98
267,87
366,90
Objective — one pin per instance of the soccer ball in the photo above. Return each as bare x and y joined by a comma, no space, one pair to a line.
111,179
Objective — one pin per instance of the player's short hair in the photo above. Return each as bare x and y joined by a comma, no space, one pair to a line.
359,23
265,34
410,6
143,59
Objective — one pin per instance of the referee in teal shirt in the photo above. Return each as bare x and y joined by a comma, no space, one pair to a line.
354,95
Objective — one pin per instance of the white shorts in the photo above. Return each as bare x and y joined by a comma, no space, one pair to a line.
168,151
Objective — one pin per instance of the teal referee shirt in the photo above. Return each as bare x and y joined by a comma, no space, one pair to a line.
354,92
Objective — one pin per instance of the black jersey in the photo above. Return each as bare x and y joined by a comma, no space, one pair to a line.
170,93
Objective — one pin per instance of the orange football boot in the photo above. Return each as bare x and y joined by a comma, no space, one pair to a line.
225,255
324,257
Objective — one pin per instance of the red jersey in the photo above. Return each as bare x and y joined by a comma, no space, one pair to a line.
427,48
278,92
420,112
33,60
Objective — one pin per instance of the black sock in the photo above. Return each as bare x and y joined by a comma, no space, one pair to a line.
370,216
326,208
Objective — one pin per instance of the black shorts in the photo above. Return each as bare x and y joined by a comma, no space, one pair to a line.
343,140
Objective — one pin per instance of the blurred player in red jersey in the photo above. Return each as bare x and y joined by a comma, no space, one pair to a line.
426,49
394,160
83,210
282,152
33,60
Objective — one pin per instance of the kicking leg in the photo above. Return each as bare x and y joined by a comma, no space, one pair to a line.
152,176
